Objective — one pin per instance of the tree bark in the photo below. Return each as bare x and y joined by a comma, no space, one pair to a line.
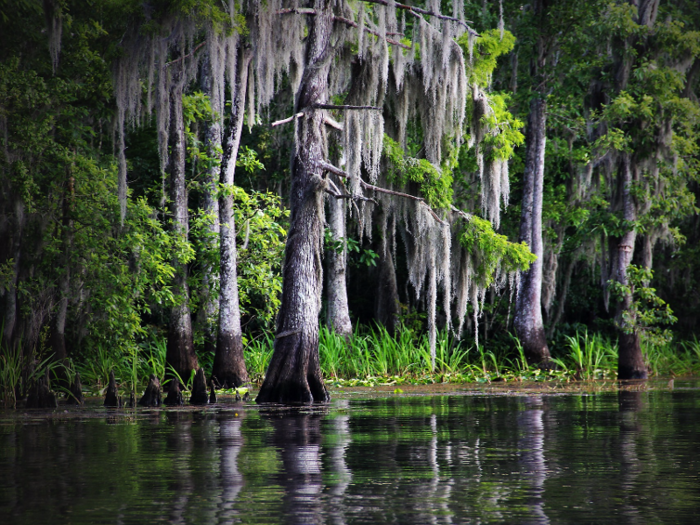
387,306
563,293
338,313
630,359
294,373
229,365
180,349
209,310
58,332
11,304
528,314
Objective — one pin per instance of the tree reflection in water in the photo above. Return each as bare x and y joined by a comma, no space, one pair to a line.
230,443
297,435
335,450
531,447
627,457
630,403
179,443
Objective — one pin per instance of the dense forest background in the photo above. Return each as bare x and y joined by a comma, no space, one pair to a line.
488,168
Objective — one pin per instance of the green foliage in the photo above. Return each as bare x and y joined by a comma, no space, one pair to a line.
258,353
435,185
592,357
367,256
490,250
261,233
647,310
488,47
504,129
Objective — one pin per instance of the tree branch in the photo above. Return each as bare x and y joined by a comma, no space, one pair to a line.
464,215
297,10
328,121
346,108
337,171
288,119
417,11
335,192
404,195
340,173
351,197
185,56
391,41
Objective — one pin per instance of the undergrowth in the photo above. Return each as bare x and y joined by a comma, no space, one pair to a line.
370,357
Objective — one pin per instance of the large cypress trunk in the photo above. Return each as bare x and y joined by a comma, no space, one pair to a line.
528,315
294,373
180,350
229,365
338,316
630,359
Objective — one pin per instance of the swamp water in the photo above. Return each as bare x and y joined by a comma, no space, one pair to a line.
461,457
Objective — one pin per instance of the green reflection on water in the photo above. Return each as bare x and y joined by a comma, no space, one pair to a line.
618,457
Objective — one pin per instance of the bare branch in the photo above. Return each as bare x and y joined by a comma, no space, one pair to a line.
335,188
404,195
337,171
297,11
328,121
340,173
466,216
185,56
337,195
391,41
288,119
346,108
417,11
351,197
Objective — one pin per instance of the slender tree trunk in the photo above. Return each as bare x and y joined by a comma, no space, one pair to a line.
630,359
338,316
387,305
229,365
528,314
294,373
11,305
58,332
561,300
208,313
180,349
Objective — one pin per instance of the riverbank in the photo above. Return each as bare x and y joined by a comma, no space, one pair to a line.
371,359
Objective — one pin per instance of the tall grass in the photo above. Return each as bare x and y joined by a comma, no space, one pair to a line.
368,357
11,364
376,355
590,356
257,356
18,372
676,359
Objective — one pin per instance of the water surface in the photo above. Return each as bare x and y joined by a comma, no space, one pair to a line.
463,457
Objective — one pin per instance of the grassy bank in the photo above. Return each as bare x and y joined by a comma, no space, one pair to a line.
370,357
375,357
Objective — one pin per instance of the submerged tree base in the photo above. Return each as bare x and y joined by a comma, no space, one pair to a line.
294,375
630,358
229,370
293,393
